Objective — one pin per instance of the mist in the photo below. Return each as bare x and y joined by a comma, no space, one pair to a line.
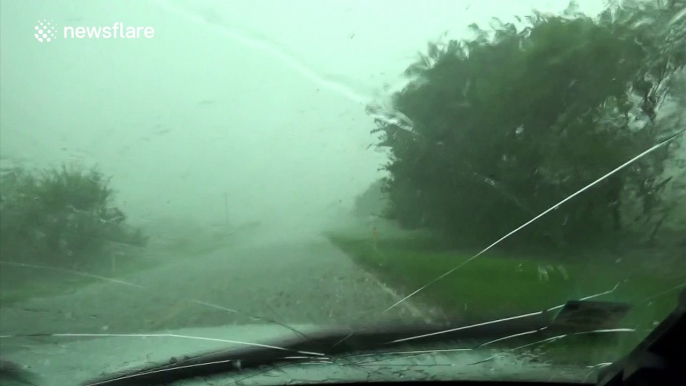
246,112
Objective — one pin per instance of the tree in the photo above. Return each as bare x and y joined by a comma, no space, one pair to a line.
63,215
510,122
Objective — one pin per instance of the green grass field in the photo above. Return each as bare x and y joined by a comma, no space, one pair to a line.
498,285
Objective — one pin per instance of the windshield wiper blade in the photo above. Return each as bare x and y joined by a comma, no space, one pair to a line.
346,340
318,345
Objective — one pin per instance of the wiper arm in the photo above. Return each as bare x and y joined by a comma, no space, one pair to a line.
343,340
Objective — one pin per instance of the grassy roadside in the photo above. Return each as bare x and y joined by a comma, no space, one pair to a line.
498,285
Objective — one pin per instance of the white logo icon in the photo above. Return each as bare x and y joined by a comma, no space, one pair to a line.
45,31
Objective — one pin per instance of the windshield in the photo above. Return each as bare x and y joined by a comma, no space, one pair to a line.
244,167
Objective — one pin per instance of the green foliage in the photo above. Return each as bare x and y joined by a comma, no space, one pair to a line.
62,215
511,122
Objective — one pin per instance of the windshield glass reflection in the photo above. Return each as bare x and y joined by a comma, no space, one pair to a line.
180,171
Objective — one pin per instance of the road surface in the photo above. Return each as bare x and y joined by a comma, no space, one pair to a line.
304,281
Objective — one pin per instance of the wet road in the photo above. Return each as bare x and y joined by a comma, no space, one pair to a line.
307,281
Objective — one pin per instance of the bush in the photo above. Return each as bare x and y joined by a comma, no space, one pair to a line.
62,215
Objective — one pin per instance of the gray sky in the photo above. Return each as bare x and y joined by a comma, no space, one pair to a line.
261,100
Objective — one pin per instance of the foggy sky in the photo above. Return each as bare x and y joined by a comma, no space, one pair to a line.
260,100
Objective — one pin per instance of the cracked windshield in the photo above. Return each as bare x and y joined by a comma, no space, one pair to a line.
507,178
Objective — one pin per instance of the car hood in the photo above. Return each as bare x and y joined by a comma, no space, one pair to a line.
74,359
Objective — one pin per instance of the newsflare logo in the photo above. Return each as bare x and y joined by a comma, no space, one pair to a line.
44,31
